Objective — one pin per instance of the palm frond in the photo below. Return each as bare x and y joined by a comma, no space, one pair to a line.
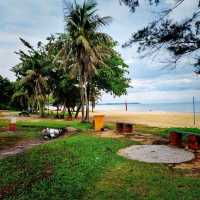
26,44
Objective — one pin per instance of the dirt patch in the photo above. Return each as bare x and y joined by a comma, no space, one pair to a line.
20,147
148,138
135,136
109,134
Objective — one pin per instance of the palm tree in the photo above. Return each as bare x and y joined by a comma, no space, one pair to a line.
32,74
86,45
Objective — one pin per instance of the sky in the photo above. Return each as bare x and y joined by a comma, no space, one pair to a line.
151,81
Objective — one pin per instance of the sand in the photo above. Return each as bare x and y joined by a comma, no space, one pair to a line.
156,119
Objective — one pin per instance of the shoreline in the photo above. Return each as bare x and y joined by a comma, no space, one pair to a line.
155,119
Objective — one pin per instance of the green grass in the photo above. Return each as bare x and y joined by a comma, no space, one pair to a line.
164,132
87,167
3,122
53,123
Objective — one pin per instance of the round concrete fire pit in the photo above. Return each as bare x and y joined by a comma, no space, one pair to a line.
157,154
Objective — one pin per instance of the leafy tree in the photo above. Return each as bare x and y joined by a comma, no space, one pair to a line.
110,76
63,86
21,97
86,45
31,72
7,89
113,77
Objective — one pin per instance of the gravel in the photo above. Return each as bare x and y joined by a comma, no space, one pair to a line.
157,154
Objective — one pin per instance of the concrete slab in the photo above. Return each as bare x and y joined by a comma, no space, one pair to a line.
157,154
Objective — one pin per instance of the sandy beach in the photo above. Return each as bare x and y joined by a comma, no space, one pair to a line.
156,119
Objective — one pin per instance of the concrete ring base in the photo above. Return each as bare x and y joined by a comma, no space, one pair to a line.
157,154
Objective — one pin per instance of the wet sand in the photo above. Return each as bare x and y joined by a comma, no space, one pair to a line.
156,119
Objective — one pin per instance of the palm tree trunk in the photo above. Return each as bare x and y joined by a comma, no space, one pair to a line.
82,99
87,91
41,108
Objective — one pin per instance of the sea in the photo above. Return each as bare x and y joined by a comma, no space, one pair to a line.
156,107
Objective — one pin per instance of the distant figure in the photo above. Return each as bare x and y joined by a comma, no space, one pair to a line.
126,106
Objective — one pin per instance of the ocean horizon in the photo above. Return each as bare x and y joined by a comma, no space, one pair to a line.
155,107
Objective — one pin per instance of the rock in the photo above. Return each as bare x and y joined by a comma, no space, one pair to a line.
71,130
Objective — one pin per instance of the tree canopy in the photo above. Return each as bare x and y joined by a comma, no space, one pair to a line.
59,80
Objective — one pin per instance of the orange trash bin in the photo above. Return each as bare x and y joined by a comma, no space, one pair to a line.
98,122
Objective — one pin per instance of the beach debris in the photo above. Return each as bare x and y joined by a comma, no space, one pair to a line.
157,154
51,133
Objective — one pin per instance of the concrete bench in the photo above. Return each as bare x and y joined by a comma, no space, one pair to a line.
124,127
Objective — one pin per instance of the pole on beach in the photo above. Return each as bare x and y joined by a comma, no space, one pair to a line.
194,116
126,105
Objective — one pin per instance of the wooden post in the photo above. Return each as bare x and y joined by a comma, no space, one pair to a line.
194,115
126,105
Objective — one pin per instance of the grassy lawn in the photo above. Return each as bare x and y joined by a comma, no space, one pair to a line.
87,167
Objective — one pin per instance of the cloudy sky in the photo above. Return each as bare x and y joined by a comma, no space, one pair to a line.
34,20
